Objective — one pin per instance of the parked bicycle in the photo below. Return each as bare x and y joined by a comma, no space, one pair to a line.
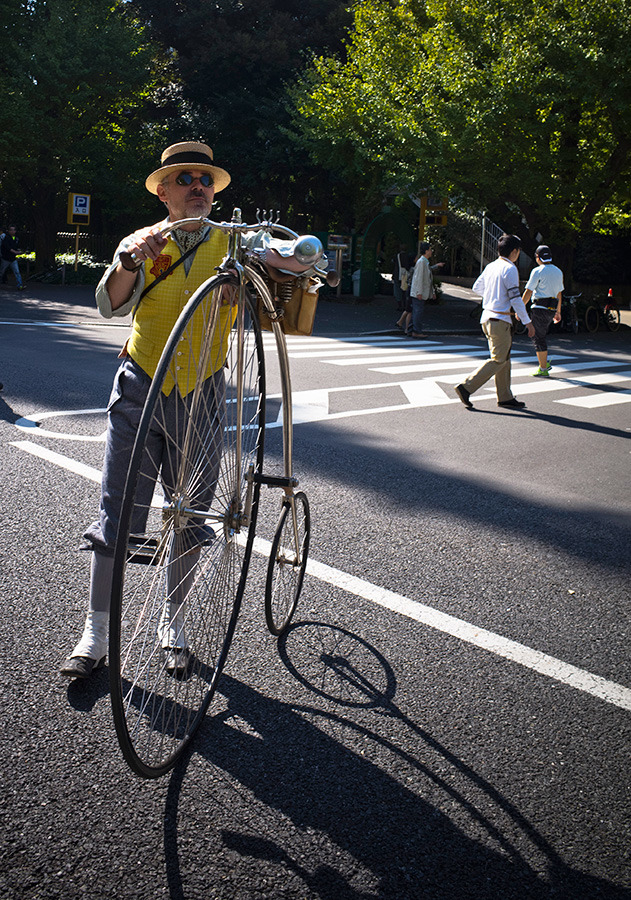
51,274
606,314
569,314
181,582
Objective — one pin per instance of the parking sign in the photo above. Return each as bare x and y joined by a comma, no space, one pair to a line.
78,209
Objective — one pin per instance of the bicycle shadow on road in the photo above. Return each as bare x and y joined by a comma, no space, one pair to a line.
293,811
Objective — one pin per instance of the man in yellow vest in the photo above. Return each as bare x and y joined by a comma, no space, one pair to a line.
186,182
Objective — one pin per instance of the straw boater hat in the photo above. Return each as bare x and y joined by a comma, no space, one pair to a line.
190,155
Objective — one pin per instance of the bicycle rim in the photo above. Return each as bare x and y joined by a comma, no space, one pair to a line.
183,549
287,563
591,319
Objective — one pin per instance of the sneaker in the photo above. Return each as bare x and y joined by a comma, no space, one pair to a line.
542,373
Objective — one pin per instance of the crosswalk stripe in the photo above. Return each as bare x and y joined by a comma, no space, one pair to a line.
411,367
596,400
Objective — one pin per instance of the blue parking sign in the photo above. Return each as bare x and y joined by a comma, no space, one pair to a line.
78,209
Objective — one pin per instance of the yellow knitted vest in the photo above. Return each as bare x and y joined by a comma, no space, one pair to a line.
158,310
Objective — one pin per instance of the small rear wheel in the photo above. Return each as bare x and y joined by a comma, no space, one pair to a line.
612,318
287,564
591,318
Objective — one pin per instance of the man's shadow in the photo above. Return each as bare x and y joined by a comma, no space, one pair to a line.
398,839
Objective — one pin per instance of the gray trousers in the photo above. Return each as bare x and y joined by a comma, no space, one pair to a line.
162,458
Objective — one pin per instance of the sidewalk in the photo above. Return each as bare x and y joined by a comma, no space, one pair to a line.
379,315
74,305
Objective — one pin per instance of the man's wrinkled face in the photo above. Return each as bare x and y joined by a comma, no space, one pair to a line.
187,201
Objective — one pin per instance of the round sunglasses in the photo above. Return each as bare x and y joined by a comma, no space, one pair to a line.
185,178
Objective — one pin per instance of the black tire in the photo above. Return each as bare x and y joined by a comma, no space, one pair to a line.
179,583
612,318
287,563
591,318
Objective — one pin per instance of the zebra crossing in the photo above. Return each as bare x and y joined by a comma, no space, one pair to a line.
580,380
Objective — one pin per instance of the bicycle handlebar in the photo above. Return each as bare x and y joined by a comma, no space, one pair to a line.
235,226
232,227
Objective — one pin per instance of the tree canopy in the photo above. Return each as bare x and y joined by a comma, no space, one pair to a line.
516,108
234,61
80,81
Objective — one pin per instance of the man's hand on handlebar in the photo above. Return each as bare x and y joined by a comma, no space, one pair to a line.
146,243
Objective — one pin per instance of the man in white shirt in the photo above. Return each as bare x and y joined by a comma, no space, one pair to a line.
499,288
545,288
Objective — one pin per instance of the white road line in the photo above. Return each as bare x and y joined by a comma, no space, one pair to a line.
28,424
404,360
588,364
84,324
355,350
596,400
468,359
535,660
57,459
580,679
545,385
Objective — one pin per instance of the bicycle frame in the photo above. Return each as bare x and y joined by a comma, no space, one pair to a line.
172,625
237,263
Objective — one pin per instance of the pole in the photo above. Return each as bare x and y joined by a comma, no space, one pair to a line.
421,221
76,250
483,241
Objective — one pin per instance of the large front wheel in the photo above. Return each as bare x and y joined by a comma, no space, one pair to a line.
187,526
287,562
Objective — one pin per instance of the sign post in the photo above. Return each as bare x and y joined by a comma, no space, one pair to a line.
340,244
78,214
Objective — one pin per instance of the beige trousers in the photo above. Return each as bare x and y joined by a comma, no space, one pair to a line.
500,338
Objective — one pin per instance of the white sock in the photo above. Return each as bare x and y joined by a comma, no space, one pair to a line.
93,643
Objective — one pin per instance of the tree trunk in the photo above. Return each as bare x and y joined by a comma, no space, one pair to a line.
45,224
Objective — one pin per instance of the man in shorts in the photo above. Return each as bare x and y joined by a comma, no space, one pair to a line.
545,288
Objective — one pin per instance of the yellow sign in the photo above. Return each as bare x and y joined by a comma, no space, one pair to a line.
78,209
433,212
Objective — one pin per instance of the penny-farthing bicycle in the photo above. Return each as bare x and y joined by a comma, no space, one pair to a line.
191,499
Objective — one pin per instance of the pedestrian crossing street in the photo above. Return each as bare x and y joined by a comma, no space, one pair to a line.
423,373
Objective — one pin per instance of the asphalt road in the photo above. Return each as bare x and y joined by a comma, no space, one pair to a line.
448,717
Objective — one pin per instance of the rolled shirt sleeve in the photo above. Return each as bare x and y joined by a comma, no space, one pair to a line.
103,301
